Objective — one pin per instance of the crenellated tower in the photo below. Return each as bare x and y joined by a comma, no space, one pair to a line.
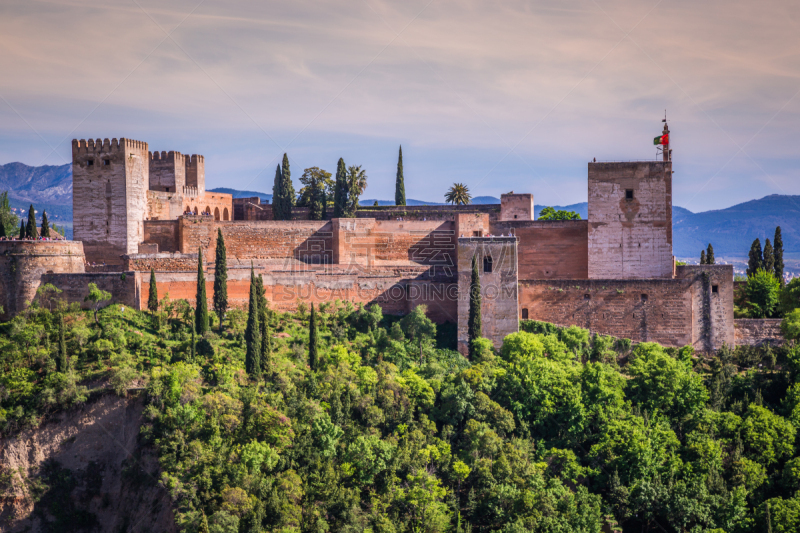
110,180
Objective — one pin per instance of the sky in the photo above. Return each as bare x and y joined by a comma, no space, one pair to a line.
500,96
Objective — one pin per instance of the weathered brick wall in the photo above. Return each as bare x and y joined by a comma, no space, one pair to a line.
711,293
125,287
550,249
109,196
516,207
472,224
305,240
630,237
161,262
23,263
757,332
164,233
219,205
257,211
641,310
239,205
499,294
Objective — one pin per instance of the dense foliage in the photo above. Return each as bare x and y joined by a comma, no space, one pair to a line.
393,431
549,213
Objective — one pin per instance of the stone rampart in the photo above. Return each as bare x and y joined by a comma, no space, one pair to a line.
24,263
125,287
758,331
550,249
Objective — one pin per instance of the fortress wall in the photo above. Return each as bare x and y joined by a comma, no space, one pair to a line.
124,287
253,211
614,307
304,240
164,233
285,290
161,262
758,331
516,207
550,249
167,171
219,205
23,263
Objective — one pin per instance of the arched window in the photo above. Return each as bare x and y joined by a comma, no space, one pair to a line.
216,213
207,211
487,264
194,210
225,214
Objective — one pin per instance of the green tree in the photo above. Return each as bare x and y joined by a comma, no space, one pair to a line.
96,297
790,325
702,257
317,183
399,184
356,184
313,340
762,291
340,190
418,327
30,228
710,255
283,195
778,254
458,194
23,234
201,307
45,225
756,260
277,200
474,326
767,437
790,296
769,258
549,213
2,229
220,279
252,335
62,361
7,217
152,298
263,323
203,525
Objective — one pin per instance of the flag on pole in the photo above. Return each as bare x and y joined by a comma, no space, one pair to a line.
661,139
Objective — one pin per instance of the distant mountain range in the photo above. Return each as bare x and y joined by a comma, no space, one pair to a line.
731,230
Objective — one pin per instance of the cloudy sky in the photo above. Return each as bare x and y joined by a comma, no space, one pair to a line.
513,95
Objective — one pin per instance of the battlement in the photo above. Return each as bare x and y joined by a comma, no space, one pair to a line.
194,159
170,156
83,146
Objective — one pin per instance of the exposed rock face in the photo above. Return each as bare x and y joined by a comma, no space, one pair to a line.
84,472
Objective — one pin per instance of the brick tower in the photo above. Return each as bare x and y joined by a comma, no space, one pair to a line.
110,180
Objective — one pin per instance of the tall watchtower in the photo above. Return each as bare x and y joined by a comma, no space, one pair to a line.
630,220
109,196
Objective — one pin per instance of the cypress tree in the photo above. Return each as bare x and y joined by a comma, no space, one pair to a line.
399,185
30,228
286,192
22,233
340,190
769,258
710,255
313,340
201,309
756,260
777,253
702,257
252,334
263,324
2,229
221,279
152,298
277,201
474,329
62,362
192,345
45,225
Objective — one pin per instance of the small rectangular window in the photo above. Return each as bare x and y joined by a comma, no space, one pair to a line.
90,162
476,233
106,162
524,313
629,194
487,264
715,288
644,298
587,296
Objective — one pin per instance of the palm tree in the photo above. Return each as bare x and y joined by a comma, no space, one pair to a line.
458,195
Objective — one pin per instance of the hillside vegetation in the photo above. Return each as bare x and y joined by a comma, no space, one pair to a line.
395,432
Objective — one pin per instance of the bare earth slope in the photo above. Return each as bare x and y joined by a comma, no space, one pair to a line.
84,472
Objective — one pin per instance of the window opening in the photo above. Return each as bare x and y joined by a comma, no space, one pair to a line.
90,162
715,288
524,313
644,298
629,194
487,264
106,162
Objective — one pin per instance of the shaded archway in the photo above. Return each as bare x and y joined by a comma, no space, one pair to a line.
194,210
225,214
207,211
216,213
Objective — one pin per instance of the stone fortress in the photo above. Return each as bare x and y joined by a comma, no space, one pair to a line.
613,273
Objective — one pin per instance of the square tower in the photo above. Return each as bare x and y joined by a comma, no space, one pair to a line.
516,207
630,220
109,197
497,267
167,172
196,172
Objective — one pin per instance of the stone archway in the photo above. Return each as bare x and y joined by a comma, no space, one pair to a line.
216,213
194,210
225,214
